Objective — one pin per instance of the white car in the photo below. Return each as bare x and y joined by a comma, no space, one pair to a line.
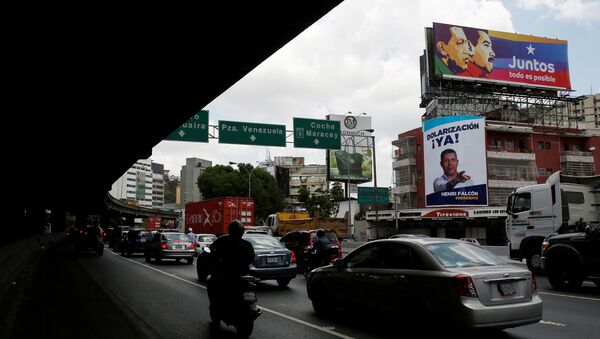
204,240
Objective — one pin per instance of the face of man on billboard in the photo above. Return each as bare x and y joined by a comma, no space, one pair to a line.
449,163
458,51
484,54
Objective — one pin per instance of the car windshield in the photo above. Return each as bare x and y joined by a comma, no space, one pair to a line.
463,255
176,236
330,235
264,243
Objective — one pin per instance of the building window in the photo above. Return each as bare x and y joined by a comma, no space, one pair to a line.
548,171
576,148
540,144
509,145
542,172
566,147
547,145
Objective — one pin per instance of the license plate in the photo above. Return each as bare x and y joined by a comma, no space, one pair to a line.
507,289
272,260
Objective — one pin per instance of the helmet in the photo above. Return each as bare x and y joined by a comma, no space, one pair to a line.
236,229
190,229
320,233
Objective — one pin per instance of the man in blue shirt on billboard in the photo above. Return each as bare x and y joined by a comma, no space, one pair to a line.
451,178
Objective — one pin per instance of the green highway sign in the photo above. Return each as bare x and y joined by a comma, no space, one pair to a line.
195,129
366,195
311,133
236,132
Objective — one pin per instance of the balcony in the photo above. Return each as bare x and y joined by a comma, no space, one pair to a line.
403,189
496,152
404,162
576,156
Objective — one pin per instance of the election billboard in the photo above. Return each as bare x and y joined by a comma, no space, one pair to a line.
460,52
455,161
353,162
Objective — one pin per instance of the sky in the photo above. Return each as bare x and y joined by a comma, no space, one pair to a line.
363,56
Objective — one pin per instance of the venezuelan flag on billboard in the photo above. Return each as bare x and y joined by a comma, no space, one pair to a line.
493,56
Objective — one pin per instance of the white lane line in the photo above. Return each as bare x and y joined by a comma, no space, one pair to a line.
569,296
552,323
317,327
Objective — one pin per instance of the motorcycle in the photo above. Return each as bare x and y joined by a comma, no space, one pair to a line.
313,259
234,302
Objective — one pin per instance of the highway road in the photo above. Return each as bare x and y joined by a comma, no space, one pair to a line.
131,298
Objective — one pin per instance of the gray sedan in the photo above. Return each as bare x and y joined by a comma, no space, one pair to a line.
441,282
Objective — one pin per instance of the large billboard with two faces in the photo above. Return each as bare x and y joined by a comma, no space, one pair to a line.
461,52
455,161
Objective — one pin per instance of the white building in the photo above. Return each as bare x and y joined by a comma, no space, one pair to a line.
135,185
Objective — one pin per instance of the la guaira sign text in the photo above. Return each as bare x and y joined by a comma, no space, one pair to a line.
195,129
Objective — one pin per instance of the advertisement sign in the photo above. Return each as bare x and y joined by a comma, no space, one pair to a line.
455,161
353,162
493,56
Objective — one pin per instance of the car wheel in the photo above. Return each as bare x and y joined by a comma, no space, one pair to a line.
283,282
534,262
244,328
319,300
147,257
563,271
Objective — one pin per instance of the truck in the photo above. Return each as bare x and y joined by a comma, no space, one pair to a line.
284,222
563,204
214,215
571,258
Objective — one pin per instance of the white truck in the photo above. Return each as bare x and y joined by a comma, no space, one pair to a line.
561,205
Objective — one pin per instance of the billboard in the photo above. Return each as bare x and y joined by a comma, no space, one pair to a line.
353,162
459,52
455,161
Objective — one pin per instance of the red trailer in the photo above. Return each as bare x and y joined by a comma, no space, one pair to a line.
214,215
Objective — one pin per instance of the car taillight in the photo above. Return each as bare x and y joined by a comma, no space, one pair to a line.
293,257
192,245
533,283
163,246
464,286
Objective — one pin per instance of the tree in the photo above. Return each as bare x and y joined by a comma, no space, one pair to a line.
219,181
303,195
336,191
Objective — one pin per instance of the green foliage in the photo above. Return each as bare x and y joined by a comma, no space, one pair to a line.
303,195
219,181
337,193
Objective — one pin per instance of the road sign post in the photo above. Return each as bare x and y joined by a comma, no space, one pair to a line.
195,129
322,134
236,132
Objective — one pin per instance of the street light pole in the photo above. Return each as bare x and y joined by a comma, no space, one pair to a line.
249,177
375,182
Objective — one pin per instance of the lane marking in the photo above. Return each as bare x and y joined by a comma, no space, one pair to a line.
327,330
569,296
546,322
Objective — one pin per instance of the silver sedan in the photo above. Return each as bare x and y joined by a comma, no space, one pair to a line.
441,282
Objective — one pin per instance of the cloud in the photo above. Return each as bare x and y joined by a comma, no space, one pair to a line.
580,11
361,57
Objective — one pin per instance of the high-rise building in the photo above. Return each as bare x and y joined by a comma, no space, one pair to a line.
189,179
135,185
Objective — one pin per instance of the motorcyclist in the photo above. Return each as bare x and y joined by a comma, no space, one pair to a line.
232,255
321,244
